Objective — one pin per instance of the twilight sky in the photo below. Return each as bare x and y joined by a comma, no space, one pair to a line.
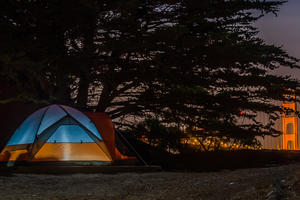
283,30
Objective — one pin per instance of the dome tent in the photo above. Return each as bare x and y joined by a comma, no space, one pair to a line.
56,133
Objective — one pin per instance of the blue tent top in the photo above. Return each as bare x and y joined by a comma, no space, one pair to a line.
41,121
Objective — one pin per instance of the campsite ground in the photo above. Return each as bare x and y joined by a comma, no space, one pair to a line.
281,182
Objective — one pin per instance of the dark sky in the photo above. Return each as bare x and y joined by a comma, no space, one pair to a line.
283,30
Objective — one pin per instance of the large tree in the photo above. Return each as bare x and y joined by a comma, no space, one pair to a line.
190,63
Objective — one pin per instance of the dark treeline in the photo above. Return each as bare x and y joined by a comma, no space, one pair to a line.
186,63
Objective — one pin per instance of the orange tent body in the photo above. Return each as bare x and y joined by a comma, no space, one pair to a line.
106,128
60,133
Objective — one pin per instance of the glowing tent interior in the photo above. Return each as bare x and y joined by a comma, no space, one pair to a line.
62,133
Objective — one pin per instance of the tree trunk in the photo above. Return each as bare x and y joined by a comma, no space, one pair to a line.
83,89
84,71
62,86
104,99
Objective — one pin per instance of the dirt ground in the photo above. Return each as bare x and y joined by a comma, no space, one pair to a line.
281,182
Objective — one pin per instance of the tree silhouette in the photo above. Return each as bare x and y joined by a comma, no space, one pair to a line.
193,63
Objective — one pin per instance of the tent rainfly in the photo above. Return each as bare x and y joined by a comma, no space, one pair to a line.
62,133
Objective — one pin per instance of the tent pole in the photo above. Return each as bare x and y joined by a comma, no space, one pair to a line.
132,148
